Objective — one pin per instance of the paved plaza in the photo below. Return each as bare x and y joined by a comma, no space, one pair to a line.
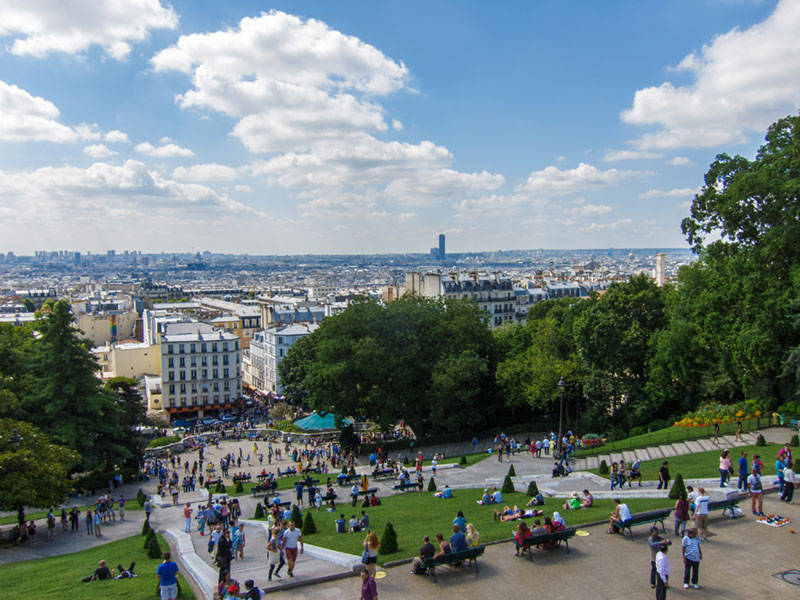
739,562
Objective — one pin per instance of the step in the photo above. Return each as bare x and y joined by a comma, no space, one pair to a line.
605,457
657,452
592,462
730,440
616,457
708,445
681,448
642,454
694,447
629,456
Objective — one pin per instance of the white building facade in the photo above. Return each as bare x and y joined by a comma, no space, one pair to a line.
200,369
267,349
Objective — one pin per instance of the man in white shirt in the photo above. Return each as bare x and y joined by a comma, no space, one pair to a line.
290,539
701,513
664,570
789,479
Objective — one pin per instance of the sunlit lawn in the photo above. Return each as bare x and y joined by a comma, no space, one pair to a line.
60,576
414,516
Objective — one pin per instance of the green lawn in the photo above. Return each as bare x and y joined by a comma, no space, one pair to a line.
669,435
414,516
60,576
131,504
706,464
471,459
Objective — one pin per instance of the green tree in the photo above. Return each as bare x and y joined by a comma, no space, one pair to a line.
388,540
309,526
69,402
34,472
677,488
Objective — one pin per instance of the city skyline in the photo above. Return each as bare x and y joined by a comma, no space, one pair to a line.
369,129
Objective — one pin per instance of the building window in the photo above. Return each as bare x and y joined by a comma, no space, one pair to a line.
191,348
194,374
225,373
182,362
171,376
214,347
194,361
226,386
214,360
183,375
225,359
183,390
170,363
203,361
224,346
169,348
202,347
205,373
194,388
215,387
214,373
172,389
180,348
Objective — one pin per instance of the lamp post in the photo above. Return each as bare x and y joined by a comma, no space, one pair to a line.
562,386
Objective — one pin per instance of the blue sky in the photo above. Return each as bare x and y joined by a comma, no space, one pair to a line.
372,126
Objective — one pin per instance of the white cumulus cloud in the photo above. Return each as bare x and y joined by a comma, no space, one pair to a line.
552,181
679,161
674,193
743,80
617,155
98,151
206,172
165,151
24,117
117,137
40,27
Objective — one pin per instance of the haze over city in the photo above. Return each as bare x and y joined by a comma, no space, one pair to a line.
310,127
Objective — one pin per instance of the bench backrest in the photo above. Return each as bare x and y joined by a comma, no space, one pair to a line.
647,516
451,557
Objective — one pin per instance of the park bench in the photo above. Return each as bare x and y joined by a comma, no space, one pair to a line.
367,492
557,537
262,476
265,487
470,555
213,481
287,472
344,480
383,474
244,479
307,482
284,504
652,516
411,485
727,504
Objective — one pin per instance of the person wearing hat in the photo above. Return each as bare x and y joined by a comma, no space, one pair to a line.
573,502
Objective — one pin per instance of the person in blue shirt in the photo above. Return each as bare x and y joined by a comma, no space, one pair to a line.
692,555
168,578
497,497
458,541
744,471
460,522
341,525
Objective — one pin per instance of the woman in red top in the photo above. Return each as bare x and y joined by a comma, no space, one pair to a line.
523,532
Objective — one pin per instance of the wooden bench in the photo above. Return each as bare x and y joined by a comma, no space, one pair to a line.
384,474
264,488
470,555
242,479
307,482
367,492
727,504
557,537
286,473
411,485
653,516
344,480
284,504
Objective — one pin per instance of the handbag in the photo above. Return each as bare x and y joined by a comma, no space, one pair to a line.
364,556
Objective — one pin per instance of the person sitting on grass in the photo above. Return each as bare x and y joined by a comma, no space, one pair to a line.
522,533
363,522
473,537
486,498
445,493
588,500
354,525
101,572
510,514
497,497
573,502
341,524
125,573
537,500
374,500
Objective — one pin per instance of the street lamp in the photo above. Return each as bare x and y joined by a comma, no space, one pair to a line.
562,386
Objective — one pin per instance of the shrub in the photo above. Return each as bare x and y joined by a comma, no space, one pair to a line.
164,441
508,486
352,471
463,460
220,488
760,441
406,461
309,526
603,468
153,548
140,497
259,514
533,489
677,487
797,465
511,471
297,517
146,527
388,540
287,426
239,487
150,534
432,485
794,441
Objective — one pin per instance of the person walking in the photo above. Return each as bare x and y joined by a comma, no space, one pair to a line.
681,514
148,508
744,470
739,429
663,476
291,537
274,554
789,479
692,555
701,505
371,544
369,589
167,578
663,571
187,518
224,554
89,522
725,467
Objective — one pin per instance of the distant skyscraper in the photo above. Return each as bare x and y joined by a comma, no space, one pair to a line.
661,275
441,246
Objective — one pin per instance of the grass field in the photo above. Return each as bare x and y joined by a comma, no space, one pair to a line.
131,504
60,576
414,516
706,464
669,435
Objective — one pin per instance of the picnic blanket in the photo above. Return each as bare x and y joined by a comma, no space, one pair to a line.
774,521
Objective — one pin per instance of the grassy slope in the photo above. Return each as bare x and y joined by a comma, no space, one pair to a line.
706,464
669,435
414,516
60,576
130,505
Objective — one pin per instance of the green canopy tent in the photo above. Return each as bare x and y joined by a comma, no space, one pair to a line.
318,421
